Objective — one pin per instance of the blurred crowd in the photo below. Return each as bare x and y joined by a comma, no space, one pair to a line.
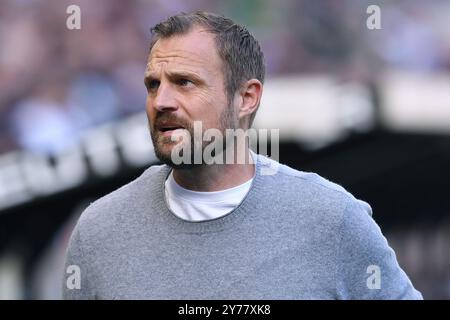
55,82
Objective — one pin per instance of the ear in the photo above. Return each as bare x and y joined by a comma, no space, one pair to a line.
249,98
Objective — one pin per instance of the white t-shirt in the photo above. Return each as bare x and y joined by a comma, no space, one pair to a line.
199,206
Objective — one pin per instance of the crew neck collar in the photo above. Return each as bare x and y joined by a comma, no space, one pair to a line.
208,196
238,214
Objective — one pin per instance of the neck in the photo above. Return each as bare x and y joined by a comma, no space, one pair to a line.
215,177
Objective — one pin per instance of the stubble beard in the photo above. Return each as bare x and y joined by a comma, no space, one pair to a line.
163,145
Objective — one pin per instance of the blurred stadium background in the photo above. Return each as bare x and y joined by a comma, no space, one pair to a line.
368,109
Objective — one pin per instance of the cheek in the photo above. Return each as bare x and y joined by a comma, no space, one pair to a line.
150,111
148,107
147,101
209,105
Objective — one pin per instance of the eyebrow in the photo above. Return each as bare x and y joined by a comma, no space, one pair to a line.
174,75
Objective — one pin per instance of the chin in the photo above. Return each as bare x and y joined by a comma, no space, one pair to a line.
166,159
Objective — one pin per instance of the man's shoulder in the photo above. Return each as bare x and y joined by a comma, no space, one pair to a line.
311,188
303,180
312,180
108,209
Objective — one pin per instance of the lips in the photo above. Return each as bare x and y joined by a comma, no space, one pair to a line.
169,127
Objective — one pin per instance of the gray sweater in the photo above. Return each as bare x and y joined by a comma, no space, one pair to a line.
295,235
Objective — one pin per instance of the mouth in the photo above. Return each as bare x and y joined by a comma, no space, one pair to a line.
168,129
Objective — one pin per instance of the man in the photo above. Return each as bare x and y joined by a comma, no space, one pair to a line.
198,230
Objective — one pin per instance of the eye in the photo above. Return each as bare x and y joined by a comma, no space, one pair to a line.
152,84
184,82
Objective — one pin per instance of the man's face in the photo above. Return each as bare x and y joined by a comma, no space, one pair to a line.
185,83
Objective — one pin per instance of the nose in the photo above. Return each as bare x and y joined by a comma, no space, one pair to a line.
164,99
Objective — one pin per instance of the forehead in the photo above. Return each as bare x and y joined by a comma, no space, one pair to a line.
193,51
